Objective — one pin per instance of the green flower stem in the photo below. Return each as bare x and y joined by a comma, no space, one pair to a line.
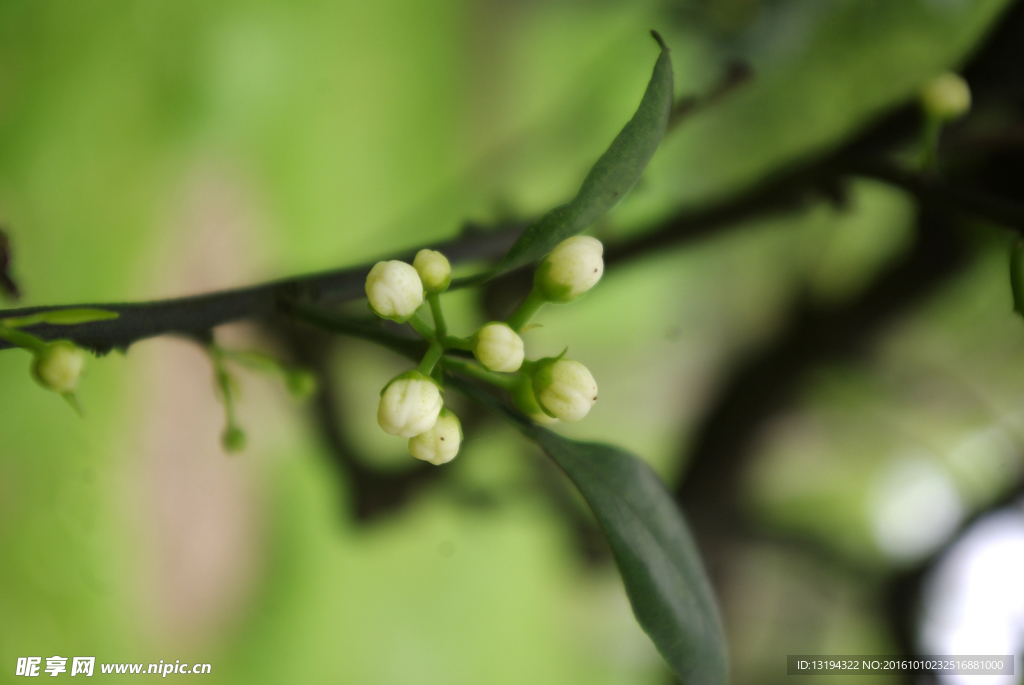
224,384
434,353
299,382
434,299
452,342
530,306
256,361
505,381
422,327
23,340
365,329
223,377
929,145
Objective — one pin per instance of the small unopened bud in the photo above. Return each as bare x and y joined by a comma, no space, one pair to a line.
572,268
301,384
434,270
498,347
565,389
233,439
409,405
58,366
394,290
440,444
946,97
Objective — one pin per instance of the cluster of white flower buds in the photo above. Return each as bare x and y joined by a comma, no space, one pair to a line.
411,404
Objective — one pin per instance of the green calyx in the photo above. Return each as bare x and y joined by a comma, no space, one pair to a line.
540,377
548,361
524,398
412,374
551,291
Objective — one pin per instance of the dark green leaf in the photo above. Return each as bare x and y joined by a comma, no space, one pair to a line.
611,177
657,558
659,563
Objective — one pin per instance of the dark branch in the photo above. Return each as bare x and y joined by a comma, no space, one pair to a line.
786,191
769,382
196,316
936,193
736,74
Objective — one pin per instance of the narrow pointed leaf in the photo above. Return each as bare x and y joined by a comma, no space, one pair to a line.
62,317
611,177
659,563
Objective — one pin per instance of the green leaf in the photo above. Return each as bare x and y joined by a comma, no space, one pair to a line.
62,317
611,177
659,563
657,558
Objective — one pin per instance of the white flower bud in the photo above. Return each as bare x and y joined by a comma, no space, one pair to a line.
59,366
565,389
394,290
409,405
434,270
572,268
946,97
440,444
498,347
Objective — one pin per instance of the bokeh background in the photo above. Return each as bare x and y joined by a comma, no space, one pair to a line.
153,149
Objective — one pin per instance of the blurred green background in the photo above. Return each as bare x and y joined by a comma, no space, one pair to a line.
154,149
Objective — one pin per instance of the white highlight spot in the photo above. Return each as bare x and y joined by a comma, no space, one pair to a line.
974,601
915,507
